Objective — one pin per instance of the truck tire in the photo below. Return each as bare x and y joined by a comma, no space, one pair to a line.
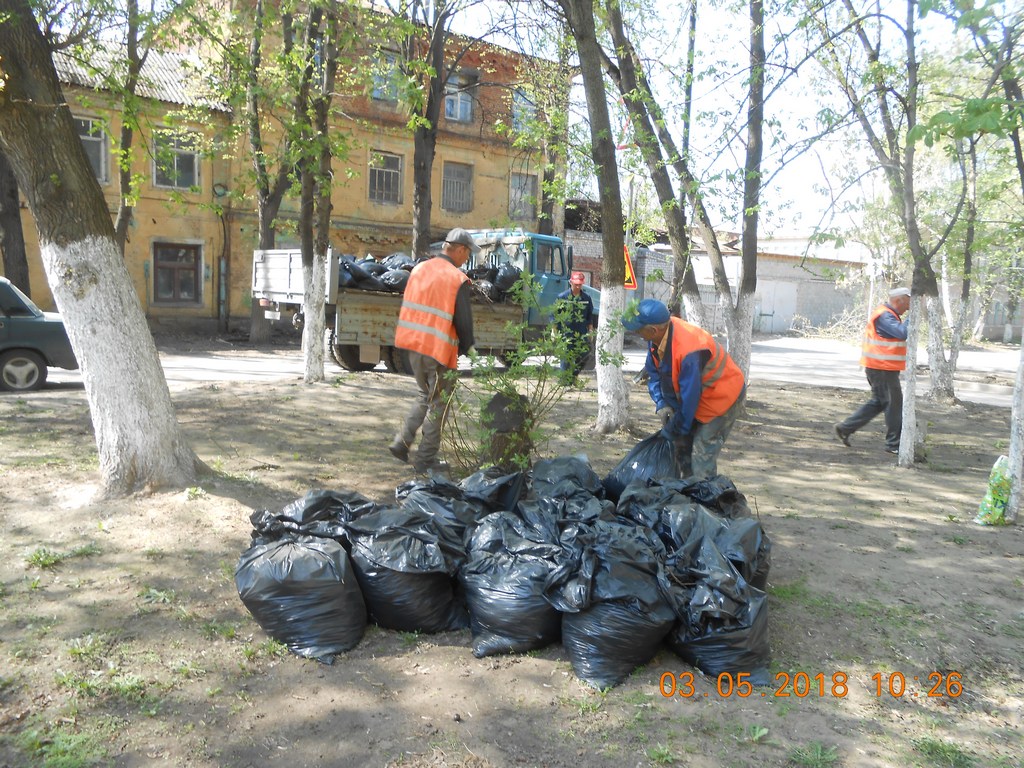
397,361
347,356
21,370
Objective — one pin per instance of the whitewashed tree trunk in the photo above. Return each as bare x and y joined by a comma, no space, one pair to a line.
939,369
908,438
612,389
138,438
140,444
1016,454
740,327
313,312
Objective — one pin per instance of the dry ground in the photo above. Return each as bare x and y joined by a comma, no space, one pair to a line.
123,642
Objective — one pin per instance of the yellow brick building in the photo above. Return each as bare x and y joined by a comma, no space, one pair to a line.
189,249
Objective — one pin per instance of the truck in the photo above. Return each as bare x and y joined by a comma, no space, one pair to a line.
361,323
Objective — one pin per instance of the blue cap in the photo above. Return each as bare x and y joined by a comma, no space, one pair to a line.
649,312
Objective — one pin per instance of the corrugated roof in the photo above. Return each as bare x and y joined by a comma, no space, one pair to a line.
174,78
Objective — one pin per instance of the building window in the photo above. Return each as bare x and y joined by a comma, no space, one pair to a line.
385,178
458,99
522,197
176,271
175,162
457,187
94,142
385,84
524,111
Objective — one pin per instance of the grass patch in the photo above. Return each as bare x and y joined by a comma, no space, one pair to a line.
814,755
45,558
68,745
939,753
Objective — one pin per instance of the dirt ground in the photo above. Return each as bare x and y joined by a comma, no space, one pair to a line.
123,641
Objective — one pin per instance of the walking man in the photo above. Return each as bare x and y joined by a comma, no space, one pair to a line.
697,388
435,325
883,355
575,319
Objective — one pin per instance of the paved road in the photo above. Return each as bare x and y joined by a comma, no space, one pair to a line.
815,362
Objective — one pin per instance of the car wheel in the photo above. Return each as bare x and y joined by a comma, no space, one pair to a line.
347,356
21,370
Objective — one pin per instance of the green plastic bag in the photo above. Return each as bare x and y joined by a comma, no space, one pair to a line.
992,509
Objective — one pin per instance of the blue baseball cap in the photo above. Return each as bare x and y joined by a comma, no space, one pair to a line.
649,312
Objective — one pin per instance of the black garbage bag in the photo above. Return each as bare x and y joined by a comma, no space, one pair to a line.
683,529
302,591
717,493
653,457
645,502
373,267
394,280
350,274
563,476
399,260
503,580
744,543
508,274
612,590
405,563
318,513
494,487
722,621
485,291
371,283
483,272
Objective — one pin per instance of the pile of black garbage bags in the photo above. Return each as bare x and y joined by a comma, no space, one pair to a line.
612,568
490,284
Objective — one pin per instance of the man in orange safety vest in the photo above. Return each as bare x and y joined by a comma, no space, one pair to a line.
884,356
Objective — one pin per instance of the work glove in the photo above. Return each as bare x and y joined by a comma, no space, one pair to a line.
665,413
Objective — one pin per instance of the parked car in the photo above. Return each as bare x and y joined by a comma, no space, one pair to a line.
30,340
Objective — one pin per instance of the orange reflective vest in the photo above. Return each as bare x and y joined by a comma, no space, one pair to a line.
425,321
881,352
721,379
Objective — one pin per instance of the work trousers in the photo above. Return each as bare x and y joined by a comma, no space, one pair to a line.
887,398
697,452
428,410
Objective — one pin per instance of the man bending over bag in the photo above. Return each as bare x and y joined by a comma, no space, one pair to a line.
697,389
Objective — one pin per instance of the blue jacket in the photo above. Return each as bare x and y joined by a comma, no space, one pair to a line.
585,315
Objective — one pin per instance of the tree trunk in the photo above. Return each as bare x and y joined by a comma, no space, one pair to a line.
612,405
908,438
940,372
125,210
424,143
139,441
1016,454
12,237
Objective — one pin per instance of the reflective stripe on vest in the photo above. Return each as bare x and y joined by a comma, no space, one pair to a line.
880,352
721,379
425,320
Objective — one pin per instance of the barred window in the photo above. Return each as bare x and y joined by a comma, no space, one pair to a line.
457,187
94,142
522,196
385,178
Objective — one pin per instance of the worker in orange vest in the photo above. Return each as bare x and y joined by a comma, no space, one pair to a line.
435,325
883,355
697,388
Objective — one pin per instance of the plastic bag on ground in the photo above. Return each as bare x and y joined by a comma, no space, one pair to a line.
503,579
653,457
722,621
611,588
303,593
405,564
992,510
318,513
563,476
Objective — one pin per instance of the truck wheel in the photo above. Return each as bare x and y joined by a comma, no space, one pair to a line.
397,361
347,356
21,370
